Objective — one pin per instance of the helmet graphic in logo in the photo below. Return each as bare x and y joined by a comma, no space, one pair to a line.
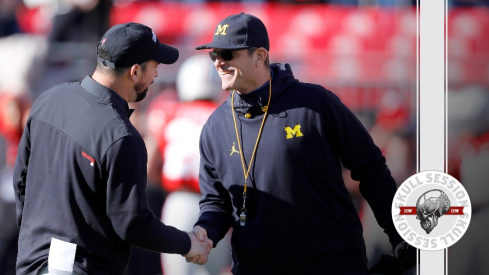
431,206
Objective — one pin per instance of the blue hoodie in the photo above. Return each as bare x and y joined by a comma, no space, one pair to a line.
300,217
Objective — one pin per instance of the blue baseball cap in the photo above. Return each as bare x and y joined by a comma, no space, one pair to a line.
239,31
133,43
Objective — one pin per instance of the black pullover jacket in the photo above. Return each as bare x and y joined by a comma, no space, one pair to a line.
80,176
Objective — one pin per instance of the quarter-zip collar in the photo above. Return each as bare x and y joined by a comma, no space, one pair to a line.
105,95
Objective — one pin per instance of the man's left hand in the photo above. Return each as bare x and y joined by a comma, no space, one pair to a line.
406,253
404,258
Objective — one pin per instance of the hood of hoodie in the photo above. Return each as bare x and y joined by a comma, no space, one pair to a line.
282,79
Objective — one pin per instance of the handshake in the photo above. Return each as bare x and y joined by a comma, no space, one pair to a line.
200,248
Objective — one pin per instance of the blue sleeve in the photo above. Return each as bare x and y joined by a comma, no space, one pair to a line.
364,159
216,211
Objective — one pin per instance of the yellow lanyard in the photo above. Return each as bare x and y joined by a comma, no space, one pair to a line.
246,172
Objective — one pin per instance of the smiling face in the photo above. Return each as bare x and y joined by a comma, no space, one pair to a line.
239,73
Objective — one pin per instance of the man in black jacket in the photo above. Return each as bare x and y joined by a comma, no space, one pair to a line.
271,166
80,174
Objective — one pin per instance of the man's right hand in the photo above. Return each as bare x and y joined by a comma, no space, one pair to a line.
200,233
200,248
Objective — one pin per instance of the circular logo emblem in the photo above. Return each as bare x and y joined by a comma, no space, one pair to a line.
431,210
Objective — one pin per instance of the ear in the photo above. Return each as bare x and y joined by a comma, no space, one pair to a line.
261,54
135,72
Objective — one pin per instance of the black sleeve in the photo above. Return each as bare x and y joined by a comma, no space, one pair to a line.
20,172
127,205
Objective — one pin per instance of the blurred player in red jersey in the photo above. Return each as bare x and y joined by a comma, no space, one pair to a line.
176,126
14,109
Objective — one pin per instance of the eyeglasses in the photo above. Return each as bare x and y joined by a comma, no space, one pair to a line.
226,55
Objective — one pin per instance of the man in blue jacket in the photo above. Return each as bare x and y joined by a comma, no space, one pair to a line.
271,166
80,174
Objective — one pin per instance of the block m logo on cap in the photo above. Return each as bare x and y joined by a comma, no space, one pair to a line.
221,29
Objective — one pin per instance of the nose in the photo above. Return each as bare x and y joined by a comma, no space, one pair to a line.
219,62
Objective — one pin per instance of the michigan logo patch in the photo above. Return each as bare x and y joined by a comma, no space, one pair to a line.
296,131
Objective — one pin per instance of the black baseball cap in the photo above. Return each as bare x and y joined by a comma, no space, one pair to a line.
239,31
133,43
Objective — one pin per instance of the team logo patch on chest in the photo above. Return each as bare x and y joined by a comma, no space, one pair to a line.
92,160
293,132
